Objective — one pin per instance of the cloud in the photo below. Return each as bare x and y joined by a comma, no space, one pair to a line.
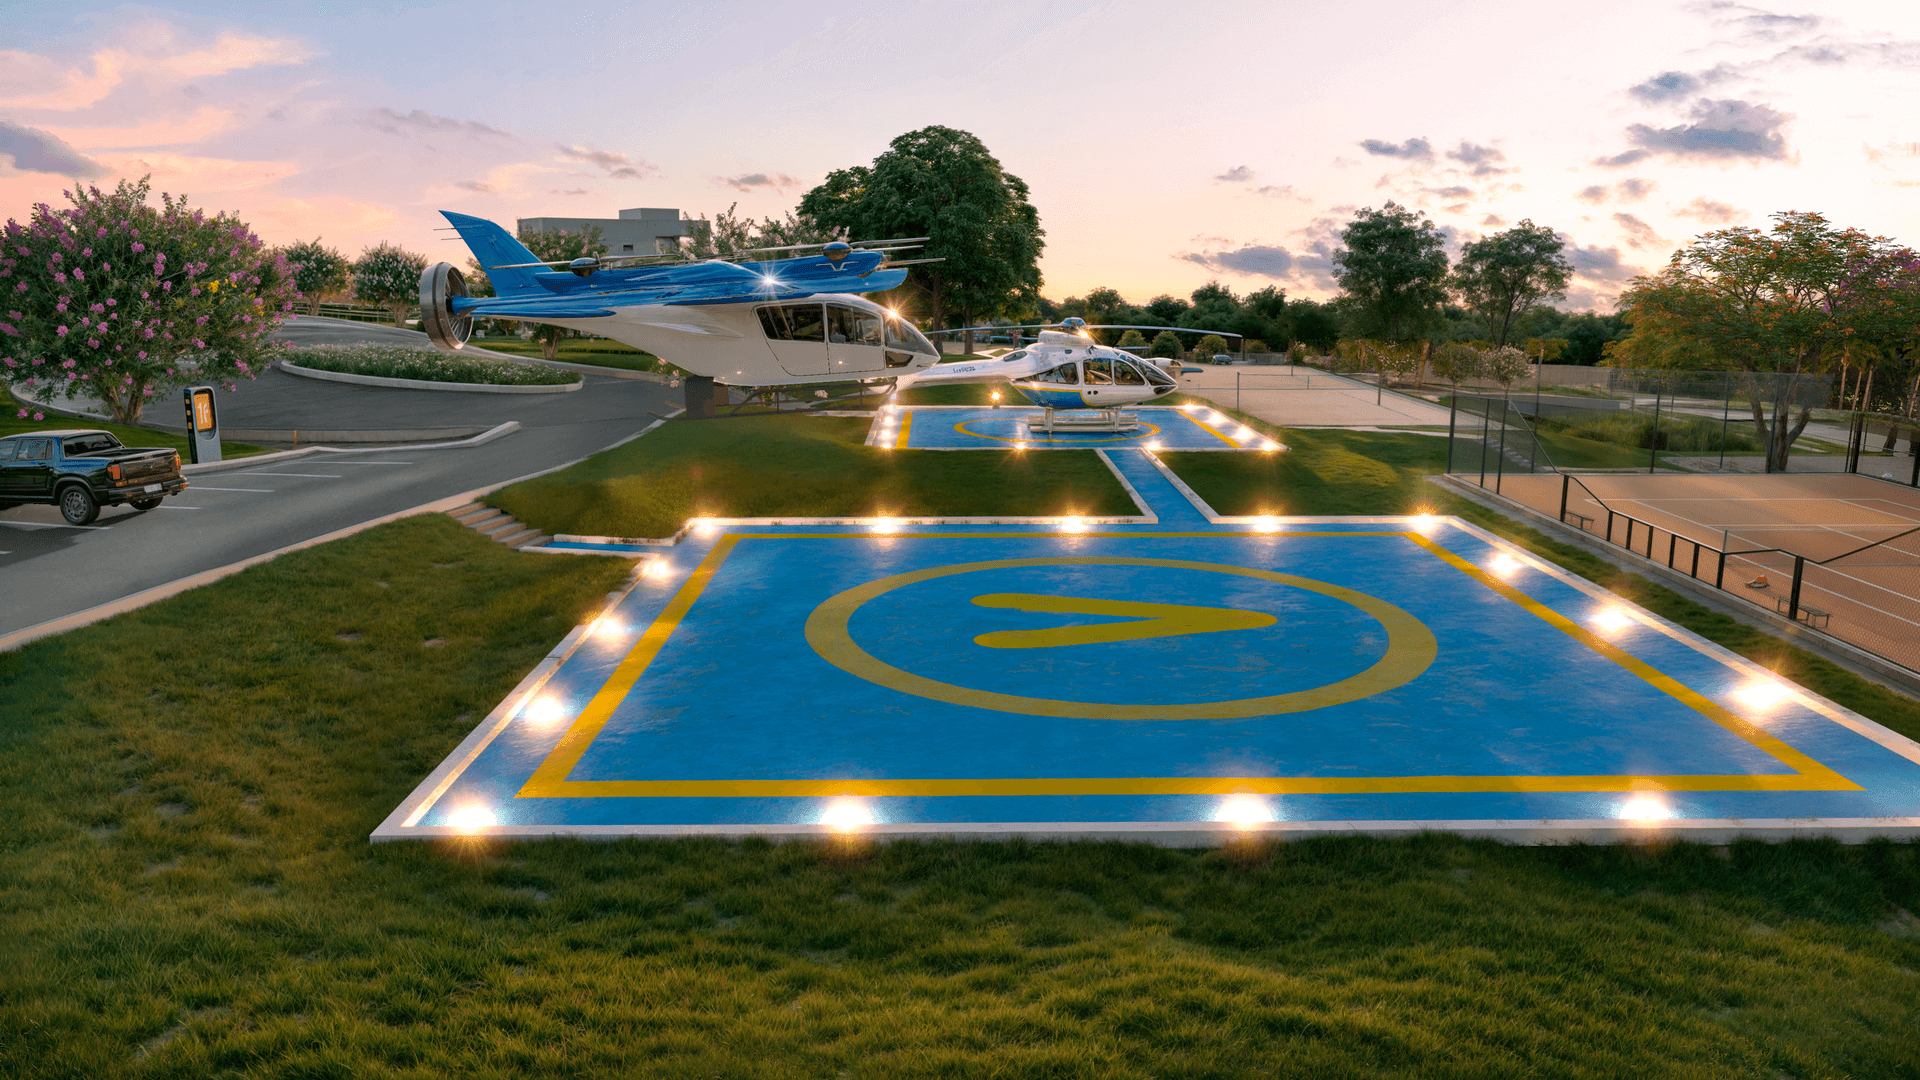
618,166
1639,233
1456,191
1480,160
33,150
1412,149
1239,174
31,81
1635,188
1717,213
1722,130
1281,191
573,191
1596,193
1493,221
475,185
419,121
1666,86
749,181
1251,260
1598,263
1755,25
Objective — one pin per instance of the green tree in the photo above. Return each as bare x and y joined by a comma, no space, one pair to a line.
388,274
1316,325
1783,303
1167,343
558,246
1504,276
1167,309
1587,336
1210,345
116,298
942,183
1132,339
1504,364
1456,362
1392,267
318,272
729,234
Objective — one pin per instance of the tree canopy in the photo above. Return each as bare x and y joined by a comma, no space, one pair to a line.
389,274
318,271
943,183
112,296
1788,302
1504,276
1392,268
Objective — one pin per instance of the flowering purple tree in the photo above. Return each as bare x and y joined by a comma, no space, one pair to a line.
119,299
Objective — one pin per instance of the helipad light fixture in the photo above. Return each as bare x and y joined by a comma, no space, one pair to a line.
702,527
1761,694
884,525
1265,523
1269,446
1154,445
658,568
1072,523
846,815
1019,446
472,818
1504,565
1611,620
1645,809
543,710
1244,810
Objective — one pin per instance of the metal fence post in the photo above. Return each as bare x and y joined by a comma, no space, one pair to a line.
1653,441
1566,481
1453,413
1500,461
1793,598
1236,391
1726,415
1486,425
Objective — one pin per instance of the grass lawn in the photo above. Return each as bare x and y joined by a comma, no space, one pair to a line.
601,352
12,424
186,890
799,465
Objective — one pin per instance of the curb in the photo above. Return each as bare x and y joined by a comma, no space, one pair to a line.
277,435
481,439
423,384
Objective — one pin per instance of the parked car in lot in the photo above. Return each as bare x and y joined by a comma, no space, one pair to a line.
82,471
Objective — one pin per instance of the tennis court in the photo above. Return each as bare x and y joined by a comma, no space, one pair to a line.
1852,538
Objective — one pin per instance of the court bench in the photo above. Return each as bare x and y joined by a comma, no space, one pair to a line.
1813,617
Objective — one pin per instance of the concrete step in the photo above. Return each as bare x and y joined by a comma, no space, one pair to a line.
495,527
517,536
469,514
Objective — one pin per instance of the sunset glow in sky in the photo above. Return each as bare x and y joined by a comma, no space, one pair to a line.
1164,144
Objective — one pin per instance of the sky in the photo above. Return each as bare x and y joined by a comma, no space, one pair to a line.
1165,145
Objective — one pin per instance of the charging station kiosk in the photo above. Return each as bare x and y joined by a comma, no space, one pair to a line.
203,425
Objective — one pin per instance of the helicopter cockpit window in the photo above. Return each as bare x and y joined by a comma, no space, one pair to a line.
1127,375
847,326
1156,377
1017,354
1100,372
902,335
794,322
1068,374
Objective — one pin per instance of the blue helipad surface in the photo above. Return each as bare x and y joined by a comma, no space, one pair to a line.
1185,681
1161,428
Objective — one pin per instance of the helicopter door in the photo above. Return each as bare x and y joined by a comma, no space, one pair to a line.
797,334
1099,382
854,341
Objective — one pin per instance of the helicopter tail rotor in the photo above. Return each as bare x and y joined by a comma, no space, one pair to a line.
439,284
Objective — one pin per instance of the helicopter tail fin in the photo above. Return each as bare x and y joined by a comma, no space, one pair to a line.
496,248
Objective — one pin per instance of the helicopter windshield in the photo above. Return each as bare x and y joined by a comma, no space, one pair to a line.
901,334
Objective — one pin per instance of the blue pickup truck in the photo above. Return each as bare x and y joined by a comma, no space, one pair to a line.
82,471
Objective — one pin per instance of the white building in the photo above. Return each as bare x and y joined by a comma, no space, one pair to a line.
644,230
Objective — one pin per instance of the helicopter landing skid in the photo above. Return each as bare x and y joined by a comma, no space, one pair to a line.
1101,420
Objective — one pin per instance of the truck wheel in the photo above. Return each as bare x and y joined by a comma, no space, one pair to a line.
147,504
77,505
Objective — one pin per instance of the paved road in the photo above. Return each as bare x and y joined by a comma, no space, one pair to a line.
49,569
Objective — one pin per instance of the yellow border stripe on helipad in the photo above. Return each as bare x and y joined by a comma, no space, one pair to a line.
549,780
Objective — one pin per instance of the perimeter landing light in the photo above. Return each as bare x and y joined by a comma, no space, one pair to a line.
1504,565
1761,694
846,815
1612,620
1244,810
606,626
1019,446
885,525
1265,523
658,568
1154,445
472,818
702,527
543,710
1073,523
1424,522
1645,809
1269,446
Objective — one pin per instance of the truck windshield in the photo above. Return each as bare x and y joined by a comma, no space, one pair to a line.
96,443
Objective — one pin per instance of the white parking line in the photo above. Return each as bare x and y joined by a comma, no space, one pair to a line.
203,487
309,475
170,506
373,462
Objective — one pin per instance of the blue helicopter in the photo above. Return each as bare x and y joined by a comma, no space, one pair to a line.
775,322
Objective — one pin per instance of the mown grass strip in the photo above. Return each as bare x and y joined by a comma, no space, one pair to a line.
430,365
801,466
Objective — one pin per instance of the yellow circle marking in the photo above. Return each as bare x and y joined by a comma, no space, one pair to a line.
1152,430
1411,649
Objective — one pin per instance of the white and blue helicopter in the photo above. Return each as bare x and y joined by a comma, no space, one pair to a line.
1065,371
777,322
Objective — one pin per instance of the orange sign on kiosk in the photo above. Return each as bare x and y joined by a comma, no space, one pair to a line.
203,424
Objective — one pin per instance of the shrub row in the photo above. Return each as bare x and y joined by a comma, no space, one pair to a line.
432,365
